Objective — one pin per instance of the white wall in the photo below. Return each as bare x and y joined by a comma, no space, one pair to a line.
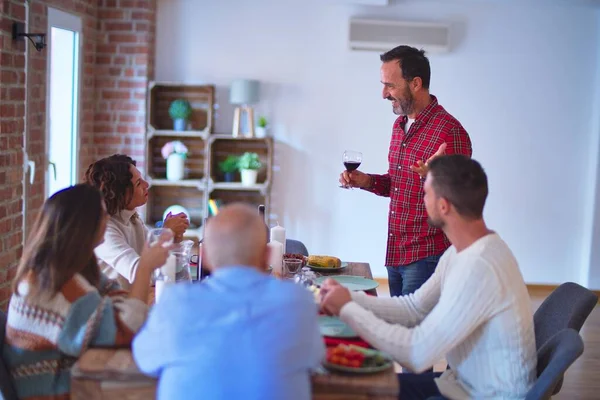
521,80
592,275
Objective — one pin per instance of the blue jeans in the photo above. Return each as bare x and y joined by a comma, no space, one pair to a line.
407,279
419,387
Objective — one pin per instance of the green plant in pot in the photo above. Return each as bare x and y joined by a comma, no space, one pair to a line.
249,164
261,127
180,111
228,167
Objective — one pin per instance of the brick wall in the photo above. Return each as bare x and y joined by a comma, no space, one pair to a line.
12,112
117,63
124,66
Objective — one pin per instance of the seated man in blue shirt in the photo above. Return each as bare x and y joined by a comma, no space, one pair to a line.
240,334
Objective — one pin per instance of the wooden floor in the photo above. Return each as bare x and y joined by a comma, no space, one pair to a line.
582,380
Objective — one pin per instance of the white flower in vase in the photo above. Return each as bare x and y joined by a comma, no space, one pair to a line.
175,153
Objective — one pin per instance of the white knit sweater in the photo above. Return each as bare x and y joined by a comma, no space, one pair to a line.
474,310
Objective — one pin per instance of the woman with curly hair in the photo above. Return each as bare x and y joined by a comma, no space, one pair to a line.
124,190
61,302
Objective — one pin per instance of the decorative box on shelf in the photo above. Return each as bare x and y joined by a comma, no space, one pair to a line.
222,146
200,98
223,192
162,197
194,163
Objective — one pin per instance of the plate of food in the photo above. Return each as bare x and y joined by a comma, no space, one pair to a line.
356,360
351,282
325,263
335,327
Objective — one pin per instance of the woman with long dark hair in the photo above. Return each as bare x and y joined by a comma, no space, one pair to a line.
61,303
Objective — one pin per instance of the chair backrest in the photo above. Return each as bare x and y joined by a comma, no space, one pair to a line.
295,247
7,389
568,306
554,358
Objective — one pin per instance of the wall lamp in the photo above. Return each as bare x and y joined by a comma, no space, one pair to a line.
38,39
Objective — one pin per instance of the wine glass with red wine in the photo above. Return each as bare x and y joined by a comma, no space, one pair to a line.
352,160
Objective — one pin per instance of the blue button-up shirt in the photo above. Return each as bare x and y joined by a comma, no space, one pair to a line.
241,334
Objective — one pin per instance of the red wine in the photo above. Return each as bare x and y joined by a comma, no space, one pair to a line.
351,165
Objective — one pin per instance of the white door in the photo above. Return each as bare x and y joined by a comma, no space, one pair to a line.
62,124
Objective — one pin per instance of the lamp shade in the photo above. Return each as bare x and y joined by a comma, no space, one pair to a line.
244,91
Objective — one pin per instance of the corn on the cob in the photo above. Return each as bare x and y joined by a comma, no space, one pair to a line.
325,261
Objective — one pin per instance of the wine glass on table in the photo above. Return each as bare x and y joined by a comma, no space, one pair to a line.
352,160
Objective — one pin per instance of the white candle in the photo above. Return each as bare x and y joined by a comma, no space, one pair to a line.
169,268
278,235
276,258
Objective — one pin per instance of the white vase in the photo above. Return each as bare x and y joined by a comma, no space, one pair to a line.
175,167
260,132
248,176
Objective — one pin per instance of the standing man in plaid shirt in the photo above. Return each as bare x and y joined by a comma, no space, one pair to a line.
423,130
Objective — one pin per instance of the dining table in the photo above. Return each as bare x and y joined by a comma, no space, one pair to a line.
111,373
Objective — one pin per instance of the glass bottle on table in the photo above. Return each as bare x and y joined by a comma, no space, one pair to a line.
182,252
305,277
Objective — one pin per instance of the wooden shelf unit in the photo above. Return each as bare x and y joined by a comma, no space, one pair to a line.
203,179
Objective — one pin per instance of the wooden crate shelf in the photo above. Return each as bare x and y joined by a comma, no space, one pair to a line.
162,197
201,98
261,187
199,184
178,134
195,164
222,146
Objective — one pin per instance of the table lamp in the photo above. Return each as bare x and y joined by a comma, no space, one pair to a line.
244,93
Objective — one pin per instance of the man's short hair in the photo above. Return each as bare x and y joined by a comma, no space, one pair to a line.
413,63
462,181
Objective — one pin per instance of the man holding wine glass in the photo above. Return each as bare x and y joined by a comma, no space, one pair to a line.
422,131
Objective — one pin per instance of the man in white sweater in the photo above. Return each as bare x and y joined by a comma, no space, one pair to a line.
474,310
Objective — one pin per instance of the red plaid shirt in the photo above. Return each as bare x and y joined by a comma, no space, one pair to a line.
410,238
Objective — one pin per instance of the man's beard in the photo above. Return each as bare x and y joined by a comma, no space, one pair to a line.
406,105
439,223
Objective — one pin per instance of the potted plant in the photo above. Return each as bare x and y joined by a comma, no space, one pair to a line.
180,111
249,164
229,166
175,153
261,127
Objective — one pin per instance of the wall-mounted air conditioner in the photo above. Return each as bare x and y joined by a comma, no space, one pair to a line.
365,2
383,35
